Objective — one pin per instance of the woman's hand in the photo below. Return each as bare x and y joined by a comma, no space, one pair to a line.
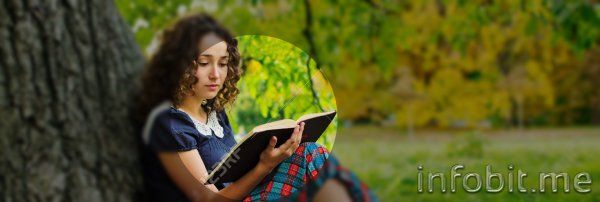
271,156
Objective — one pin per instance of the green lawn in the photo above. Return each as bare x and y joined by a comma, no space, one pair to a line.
387,160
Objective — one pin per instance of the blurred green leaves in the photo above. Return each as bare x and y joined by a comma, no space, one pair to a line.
276,85
147,18
413,63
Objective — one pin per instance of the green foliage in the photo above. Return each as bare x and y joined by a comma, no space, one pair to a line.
149,17
276,84
578,22
445,64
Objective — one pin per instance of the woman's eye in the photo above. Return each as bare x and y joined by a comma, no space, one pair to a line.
202,64
223,64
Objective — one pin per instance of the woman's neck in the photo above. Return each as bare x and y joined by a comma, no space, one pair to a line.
193,106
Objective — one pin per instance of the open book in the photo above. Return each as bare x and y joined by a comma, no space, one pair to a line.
246,154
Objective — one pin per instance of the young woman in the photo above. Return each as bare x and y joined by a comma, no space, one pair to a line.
185,87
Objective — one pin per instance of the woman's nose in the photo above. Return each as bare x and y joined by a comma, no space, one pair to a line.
214,71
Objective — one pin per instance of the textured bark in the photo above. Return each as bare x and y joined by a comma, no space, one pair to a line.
67,70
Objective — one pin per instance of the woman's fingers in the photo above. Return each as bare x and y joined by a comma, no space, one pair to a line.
297,133
272,143
297,139
285,146
290,146
292,149
300,133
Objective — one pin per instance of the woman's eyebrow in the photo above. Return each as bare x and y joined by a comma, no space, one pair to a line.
210,55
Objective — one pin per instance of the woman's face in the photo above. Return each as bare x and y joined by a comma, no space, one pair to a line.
211,66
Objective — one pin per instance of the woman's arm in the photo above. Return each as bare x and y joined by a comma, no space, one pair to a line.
187,170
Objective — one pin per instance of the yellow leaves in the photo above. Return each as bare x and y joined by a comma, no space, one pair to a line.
452,101
323,88
500,103
414,114
493,41
351,103
444,82
254,67
508,45
561,55
542,85
430,60
319,81
493,37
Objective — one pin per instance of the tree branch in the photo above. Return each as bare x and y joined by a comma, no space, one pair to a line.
312,52
315,95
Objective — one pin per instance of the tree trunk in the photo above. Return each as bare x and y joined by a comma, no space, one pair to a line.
67,69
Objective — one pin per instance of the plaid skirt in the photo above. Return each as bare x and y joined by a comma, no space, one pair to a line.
299,177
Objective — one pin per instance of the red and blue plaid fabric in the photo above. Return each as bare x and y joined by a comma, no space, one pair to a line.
301,175
332,169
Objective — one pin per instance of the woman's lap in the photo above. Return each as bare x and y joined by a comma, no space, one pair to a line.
292,174
332,170
300,176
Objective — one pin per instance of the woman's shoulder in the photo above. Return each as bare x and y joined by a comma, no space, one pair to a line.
175,121
173,131
166,120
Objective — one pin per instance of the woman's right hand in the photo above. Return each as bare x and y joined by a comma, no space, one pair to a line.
271,156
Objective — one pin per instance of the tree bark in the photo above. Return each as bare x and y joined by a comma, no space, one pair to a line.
67,70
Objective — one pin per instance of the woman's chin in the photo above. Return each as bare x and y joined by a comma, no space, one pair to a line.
210,96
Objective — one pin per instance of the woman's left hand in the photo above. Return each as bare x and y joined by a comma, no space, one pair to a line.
271,156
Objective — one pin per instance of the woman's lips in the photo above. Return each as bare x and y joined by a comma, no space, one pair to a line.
212,87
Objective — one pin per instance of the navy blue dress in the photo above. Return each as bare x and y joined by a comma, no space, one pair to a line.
173,130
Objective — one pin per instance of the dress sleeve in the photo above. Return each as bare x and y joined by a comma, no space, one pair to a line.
170,133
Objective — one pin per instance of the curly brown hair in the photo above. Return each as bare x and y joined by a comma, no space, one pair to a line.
169,75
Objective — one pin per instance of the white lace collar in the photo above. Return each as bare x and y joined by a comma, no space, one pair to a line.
212,124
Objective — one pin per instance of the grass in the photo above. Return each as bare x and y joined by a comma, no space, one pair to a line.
387,160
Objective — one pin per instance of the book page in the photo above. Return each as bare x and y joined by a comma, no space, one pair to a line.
284,123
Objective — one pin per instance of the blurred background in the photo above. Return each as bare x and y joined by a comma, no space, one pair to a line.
434,82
